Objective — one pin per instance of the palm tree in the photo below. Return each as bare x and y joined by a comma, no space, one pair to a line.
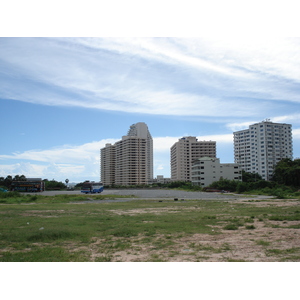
67,181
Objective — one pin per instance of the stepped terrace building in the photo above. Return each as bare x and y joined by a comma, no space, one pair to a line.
130,160
184,152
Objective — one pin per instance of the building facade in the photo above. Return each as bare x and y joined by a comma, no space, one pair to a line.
130,160
206,170
140,130
260,147
108,163
184,152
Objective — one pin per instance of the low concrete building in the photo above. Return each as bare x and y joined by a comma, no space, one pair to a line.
160,179
206,170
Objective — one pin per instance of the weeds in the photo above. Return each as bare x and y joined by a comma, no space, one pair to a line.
263,243
56,229
43,254
231,227
250,227
285,252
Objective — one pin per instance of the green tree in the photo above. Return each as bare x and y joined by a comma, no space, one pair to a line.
224,184
54,185
287,172
7,181
250,177
19,178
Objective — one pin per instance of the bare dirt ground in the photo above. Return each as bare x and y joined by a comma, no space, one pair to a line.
270,241
229,246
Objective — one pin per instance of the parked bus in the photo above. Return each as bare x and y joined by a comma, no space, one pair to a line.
30,185
92,187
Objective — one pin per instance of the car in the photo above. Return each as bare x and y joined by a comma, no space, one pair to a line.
3,190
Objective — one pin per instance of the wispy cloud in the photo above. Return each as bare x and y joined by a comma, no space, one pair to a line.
291,118
209,77
66,154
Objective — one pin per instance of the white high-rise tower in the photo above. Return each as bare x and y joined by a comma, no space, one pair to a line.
260,147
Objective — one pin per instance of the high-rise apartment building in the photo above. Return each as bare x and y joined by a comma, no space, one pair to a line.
184,152
140,130
130,160
108,162
260,147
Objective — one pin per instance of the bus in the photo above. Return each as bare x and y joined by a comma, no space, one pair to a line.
30,185
92,187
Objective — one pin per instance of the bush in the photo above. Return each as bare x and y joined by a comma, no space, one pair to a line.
242,187
250,227
231,227
10,195
225,184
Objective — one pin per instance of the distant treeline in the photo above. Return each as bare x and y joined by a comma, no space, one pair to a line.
49,184
286,179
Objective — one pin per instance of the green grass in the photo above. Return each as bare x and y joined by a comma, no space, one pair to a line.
18,198
231,227
250,227
40,228
263,243
288,254
44,254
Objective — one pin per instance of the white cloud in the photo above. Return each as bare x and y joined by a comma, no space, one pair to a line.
288,119
22,168
296,134
88,152
257,65
219,138
163,144
208,77
83,161
240,126
292,118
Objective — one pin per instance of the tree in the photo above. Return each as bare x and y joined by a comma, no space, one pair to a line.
9,179
19,178
287,172
53,184
250,177
224,184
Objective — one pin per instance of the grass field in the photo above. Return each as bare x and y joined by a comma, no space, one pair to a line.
38,228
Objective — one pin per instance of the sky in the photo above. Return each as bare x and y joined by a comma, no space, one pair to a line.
63,99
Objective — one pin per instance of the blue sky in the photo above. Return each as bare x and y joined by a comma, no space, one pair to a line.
62,99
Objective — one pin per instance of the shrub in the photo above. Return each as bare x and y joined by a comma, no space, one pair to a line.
10,195
241,187
224,184
250,227
231,227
